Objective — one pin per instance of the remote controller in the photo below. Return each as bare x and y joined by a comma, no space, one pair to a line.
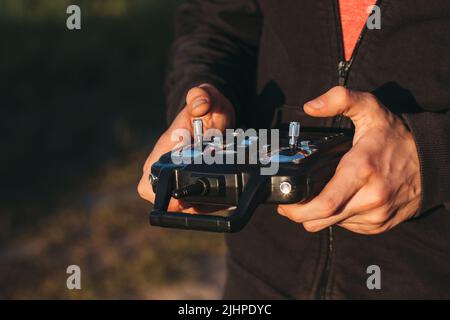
306,161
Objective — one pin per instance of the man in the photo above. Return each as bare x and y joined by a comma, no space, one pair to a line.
261,62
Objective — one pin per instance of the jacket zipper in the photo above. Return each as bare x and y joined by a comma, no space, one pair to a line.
344,65
344,68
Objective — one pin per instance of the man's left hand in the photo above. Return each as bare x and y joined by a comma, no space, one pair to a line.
377,183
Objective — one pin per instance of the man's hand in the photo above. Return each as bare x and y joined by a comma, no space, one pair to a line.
204,102
377,183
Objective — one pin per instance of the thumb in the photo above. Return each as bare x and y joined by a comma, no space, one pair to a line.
198,102
340,100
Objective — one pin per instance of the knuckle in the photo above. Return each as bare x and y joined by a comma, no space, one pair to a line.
375,220
347,162
341,95
143,190
380,194
365,169
348,158
146,167
379,198
328,206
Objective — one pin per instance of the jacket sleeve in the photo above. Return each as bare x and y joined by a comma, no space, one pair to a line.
431,132
215,42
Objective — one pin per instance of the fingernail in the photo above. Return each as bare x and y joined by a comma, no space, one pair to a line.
316,103
198,102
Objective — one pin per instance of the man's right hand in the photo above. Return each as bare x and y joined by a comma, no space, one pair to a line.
204,102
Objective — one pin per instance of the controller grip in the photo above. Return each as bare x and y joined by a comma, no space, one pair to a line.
255,193
321,176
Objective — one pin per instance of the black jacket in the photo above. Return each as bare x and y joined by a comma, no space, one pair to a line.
271,56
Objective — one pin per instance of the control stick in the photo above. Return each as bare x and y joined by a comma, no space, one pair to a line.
294,133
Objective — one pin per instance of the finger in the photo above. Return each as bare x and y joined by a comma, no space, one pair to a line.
373,222
340,100
360,228
163,145
208,209
198,102
370,219
339,190
145,189
370,205
371,229
375,217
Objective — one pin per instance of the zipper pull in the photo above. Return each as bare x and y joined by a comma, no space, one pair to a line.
343,68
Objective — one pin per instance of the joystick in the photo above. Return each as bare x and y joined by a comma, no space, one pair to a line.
198,188
294,132
197,126
306,160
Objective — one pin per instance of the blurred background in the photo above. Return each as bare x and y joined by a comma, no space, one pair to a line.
80,111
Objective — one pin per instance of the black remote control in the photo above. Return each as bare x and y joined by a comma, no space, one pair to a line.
305,162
